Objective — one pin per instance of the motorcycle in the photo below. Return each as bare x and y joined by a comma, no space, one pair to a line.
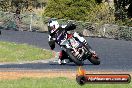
78,50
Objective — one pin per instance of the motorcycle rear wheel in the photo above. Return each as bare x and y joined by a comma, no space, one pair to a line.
73,58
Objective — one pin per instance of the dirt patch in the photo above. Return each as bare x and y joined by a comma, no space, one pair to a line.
36,74
50,74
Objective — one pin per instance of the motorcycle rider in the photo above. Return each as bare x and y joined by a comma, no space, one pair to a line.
57,33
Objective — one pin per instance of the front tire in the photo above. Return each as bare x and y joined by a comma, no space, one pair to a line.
93,60
73,58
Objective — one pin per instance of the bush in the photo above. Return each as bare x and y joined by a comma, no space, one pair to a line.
125,33
80,10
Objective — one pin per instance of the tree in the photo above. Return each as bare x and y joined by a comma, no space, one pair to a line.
81,10
11,5
69,9
121,12
5,5
130,10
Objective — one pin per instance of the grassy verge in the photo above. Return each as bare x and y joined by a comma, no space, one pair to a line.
12,52
54,83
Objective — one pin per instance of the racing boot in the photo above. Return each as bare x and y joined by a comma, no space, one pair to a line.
61,59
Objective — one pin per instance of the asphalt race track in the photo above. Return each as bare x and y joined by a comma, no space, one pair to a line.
114,54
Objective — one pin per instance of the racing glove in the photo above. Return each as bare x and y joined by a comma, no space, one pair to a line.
52,44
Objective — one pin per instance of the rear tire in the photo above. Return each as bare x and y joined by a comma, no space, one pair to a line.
73,58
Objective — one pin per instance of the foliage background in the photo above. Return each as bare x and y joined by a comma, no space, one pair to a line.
95,17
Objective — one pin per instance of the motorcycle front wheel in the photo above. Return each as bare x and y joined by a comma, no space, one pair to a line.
91,58
94,60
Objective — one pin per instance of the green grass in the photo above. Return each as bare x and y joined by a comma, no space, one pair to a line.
12,52
54,83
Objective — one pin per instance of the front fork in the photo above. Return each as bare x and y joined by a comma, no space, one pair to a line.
84,42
